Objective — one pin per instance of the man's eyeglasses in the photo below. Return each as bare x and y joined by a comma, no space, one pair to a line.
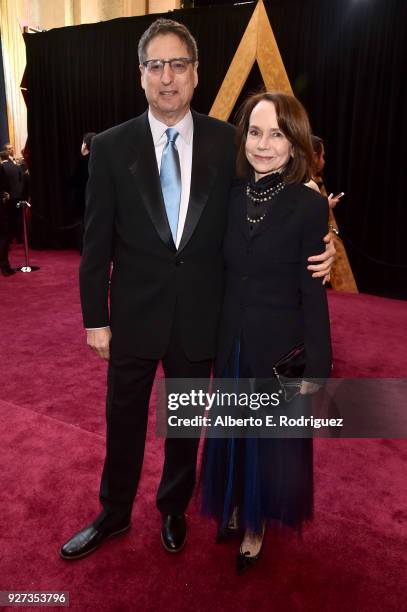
177,65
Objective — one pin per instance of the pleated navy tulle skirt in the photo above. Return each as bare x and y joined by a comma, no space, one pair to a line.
264,479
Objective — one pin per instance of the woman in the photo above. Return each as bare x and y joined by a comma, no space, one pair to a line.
316,182
271,304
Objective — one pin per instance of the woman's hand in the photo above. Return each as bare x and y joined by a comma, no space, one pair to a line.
334,199
308,388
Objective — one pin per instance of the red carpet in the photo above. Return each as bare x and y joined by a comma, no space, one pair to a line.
352,557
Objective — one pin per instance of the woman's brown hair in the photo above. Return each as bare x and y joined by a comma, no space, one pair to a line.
293,121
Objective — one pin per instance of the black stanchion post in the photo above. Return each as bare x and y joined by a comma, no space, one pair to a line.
23,204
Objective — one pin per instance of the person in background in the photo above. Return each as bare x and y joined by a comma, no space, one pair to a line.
78,182
271,305
5,267
316,181
16,173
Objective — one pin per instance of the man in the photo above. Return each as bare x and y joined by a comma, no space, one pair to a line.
158,210
15,173
5,267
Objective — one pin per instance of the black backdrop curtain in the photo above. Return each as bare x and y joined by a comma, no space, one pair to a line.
345,60
4,136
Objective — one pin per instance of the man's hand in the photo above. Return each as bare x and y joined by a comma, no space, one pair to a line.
327,259
99,341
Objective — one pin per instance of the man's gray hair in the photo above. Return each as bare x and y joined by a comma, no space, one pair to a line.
167,26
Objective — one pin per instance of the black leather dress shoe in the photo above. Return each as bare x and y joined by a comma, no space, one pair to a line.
87,541
173,532
7,271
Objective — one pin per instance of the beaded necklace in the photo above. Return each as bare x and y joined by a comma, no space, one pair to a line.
261,197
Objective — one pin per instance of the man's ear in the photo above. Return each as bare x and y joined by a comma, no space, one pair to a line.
142,69
196,74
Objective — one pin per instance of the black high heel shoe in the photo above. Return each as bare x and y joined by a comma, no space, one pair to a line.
245,560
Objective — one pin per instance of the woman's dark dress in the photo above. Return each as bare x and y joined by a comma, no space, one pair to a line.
271,304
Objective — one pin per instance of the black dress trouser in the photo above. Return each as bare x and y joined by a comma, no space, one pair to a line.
130,381
4,235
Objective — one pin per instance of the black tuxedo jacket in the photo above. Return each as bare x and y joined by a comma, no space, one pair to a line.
126,222
15,180
270,296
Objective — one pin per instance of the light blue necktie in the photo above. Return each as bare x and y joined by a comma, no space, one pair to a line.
170,177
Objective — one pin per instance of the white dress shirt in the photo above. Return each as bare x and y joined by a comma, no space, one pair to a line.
184,143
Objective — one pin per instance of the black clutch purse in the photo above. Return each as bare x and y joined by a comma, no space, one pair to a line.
289,371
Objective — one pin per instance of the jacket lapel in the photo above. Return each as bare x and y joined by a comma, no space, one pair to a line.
241,212
202,178
145,172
